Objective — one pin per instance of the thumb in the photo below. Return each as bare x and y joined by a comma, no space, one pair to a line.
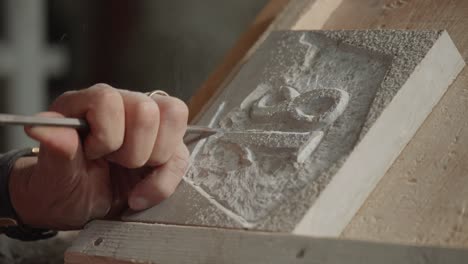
60,142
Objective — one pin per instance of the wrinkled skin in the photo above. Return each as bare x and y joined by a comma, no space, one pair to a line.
133,156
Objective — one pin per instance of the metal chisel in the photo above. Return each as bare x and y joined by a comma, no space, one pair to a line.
82,125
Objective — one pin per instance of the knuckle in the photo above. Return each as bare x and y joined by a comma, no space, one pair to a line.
146,113
101,86
105,100
176,110
181,108
105,94
105,103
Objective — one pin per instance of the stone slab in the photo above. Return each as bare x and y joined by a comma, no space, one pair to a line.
325,113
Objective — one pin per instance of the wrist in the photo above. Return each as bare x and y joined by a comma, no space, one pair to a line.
21,199
14,199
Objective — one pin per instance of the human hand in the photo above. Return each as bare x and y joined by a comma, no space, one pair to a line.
133,156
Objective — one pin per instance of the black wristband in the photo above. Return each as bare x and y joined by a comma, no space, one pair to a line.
16,230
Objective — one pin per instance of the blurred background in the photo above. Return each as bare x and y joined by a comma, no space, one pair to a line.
50,46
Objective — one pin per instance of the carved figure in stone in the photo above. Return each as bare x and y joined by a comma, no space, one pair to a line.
251,159
295,129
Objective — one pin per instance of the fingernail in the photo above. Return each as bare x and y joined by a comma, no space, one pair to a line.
139,203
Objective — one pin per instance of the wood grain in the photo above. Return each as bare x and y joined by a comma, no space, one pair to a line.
117,242
423,197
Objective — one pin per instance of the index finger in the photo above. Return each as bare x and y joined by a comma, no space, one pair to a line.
102,106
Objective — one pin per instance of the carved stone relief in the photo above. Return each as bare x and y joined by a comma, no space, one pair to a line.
312,121
276,132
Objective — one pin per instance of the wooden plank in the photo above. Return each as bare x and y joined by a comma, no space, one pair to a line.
117,242
287,12
317,14
422,198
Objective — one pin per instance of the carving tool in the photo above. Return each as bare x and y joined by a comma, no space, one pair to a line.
192,135
82,126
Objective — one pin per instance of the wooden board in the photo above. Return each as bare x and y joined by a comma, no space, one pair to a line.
103,242
423,197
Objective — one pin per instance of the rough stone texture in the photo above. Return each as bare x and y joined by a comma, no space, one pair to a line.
407,49
333,85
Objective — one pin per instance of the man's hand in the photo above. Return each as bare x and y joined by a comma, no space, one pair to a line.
133,156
